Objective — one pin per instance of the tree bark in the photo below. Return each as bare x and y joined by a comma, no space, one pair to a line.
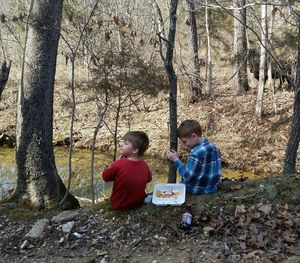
195,80
271,81
240,47
4,74
160,21
173,85
294,139
37,179
262,62
208,60
101,110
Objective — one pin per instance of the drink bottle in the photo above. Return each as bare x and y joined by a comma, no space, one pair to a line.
186,221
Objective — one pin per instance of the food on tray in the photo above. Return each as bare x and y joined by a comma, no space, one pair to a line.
167,193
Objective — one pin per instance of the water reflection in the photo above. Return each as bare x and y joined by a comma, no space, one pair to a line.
8,170
81,175
81,167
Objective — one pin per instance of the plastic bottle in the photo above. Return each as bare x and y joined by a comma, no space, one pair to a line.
186,221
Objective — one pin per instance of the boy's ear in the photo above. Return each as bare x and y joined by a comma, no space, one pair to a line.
194,135
136,150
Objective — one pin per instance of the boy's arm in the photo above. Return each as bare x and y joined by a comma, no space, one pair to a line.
172,155
110,173
188,171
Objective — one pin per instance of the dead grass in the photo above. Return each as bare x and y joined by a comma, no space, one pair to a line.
227,119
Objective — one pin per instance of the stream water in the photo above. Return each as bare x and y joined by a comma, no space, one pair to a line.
81,171
81,175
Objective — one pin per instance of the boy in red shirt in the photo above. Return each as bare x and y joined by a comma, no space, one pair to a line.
130,174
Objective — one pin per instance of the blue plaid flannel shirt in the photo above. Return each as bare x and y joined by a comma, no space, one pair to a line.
202,172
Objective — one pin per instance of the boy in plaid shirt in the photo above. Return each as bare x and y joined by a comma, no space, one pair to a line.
202,172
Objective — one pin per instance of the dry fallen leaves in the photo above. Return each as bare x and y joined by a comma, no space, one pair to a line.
260,227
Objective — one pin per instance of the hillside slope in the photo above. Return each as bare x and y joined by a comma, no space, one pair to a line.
227,119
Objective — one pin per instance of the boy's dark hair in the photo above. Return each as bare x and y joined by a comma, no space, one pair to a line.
188,127
138,139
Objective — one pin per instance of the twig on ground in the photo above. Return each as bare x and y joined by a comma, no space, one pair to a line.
246,196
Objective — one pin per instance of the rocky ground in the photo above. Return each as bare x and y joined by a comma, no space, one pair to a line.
245,221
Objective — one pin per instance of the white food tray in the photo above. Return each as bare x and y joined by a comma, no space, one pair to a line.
168,194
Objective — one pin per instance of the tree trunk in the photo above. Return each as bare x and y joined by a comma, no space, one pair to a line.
294,139
101,109
4,74
117,119
208,60
37,179
173,85
160,21
262,62
195,80
271,81
240,47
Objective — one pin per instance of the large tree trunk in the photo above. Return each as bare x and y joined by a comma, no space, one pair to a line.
262,62
37,179
240,47
293,142
173,85
195,80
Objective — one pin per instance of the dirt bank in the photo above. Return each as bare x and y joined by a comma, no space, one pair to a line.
244,221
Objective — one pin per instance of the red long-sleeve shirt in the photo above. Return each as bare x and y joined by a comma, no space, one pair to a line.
129,182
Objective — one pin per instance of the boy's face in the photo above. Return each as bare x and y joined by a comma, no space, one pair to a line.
127,149
191,141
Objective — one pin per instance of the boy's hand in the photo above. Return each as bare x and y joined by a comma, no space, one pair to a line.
172,155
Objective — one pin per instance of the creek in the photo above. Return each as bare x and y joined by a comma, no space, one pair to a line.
81,171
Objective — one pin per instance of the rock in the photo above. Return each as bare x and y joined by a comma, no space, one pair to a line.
65,216
135,242
101,253
78,235
67,227
207,230
103,231
162,239
136,226
38,230
25,244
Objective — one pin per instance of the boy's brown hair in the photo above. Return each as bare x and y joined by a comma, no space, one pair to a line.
188,127
138,139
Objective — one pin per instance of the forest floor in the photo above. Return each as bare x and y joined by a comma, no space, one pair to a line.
245,221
